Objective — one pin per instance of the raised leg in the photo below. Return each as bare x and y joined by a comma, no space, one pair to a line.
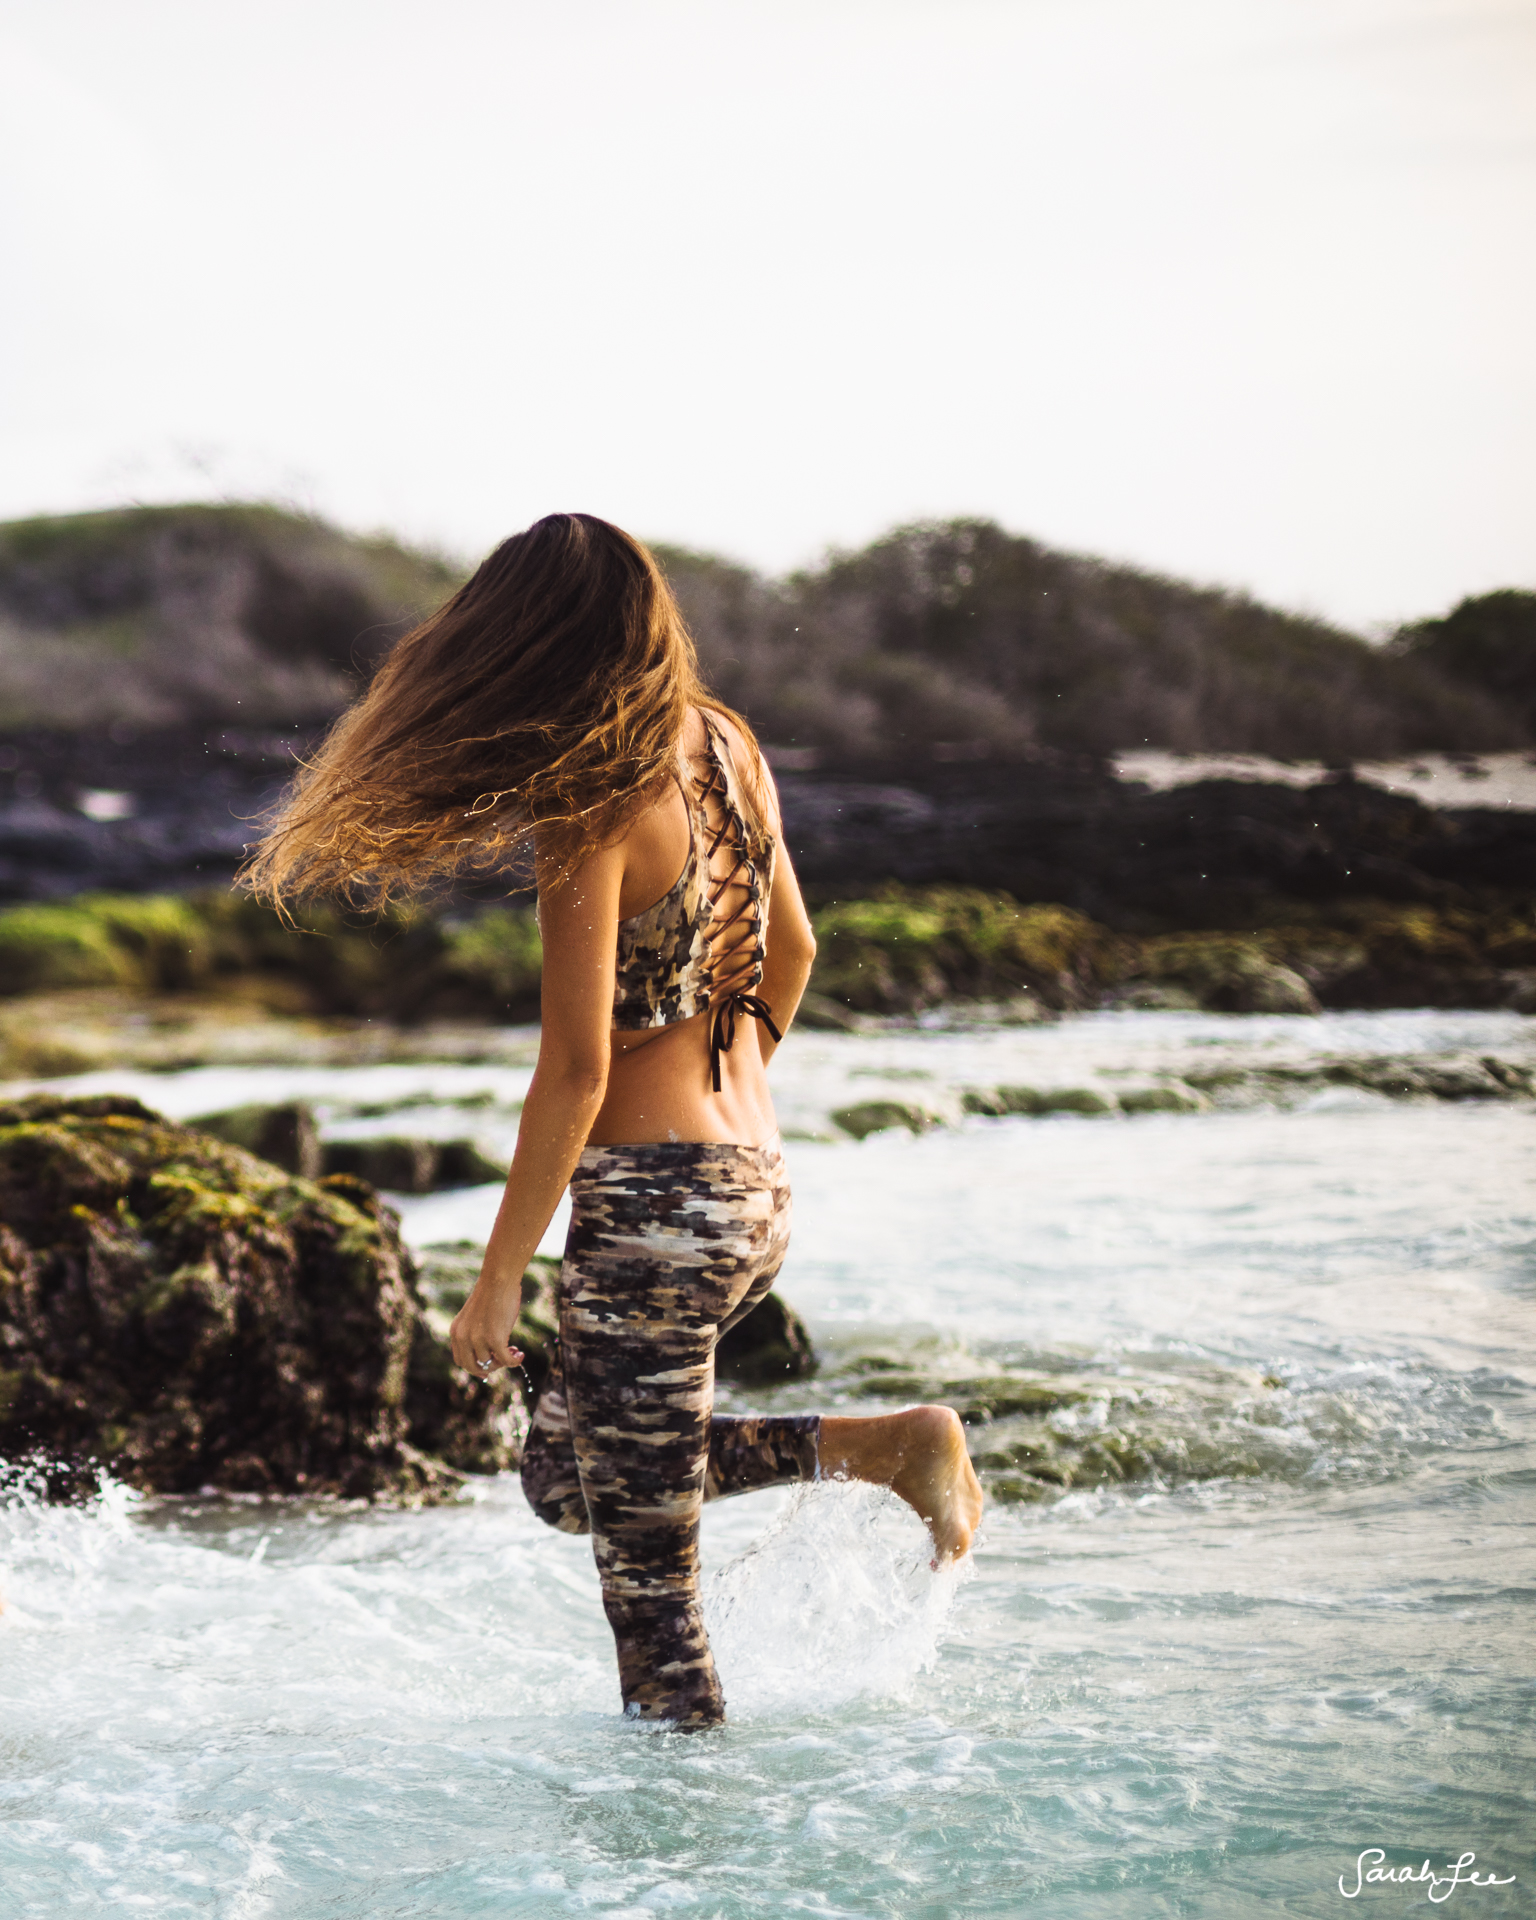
920,1454
745,1452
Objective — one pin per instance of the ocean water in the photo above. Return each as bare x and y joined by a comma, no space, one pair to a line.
1205,1692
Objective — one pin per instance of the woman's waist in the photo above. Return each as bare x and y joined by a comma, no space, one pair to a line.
679,1153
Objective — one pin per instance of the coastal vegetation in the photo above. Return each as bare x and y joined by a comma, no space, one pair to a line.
957,638
898,953
1487,642
937,705
157,616
947,638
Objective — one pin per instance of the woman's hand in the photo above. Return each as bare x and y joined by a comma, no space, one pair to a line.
482,1330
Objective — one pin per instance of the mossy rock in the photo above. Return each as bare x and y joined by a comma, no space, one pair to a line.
1034,1434
1162,1100
997,1101
879,1116
184,1314
821,1013
769,1345
408,1164
284,1134
908,948
28,1052
1143,997
1486,1078
1225,974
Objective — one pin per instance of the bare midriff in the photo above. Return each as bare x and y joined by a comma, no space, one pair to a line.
660,1079
659,1088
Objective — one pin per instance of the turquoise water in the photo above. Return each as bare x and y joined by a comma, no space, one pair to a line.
1204,1697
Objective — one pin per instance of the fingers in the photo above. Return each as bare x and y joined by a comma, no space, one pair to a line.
486,1360
477,1350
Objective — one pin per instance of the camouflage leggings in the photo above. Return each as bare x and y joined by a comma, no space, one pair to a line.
668,1246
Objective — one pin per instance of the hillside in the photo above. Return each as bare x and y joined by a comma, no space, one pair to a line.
941,642
167,616
959,640
1488,642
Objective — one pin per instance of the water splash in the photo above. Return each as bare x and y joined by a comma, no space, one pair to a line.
56,1545
836,1601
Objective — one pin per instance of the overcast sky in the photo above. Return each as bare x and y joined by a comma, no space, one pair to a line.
1241,289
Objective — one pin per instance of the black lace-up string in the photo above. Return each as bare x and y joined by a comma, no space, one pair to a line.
739,1000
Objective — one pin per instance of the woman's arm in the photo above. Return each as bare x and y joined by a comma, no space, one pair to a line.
579,921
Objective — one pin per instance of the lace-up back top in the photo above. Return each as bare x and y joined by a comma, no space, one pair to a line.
700,948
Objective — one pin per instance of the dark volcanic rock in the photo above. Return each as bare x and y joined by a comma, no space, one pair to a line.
1054,827
283,1134
408,1164
1207,855
185,1314
192,795
771,1344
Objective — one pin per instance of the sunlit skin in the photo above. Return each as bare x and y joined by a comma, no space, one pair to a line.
595,1085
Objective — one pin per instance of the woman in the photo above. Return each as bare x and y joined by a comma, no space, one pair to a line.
554,703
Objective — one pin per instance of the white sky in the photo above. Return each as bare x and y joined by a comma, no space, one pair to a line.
1241,289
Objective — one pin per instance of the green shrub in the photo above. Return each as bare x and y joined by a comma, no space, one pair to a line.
880,955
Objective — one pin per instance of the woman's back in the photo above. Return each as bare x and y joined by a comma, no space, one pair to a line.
700,879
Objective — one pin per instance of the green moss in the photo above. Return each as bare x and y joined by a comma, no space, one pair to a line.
155,943
911,947
52,946
877,1116
1226,973
224,1322
167,936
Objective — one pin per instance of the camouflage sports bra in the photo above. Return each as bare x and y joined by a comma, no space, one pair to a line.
675,959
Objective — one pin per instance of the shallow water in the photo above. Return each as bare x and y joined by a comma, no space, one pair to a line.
1172,1697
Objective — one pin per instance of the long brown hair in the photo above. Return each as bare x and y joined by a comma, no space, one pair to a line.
546,699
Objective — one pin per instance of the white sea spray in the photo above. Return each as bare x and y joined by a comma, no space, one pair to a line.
836,1601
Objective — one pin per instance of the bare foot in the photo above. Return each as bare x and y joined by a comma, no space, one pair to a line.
919,1454
938,1479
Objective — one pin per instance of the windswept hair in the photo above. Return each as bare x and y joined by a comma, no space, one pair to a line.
544,702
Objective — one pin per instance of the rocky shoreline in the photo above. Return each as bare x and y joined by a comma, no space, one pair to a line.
183,1315
169,810
193,1320
162,980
